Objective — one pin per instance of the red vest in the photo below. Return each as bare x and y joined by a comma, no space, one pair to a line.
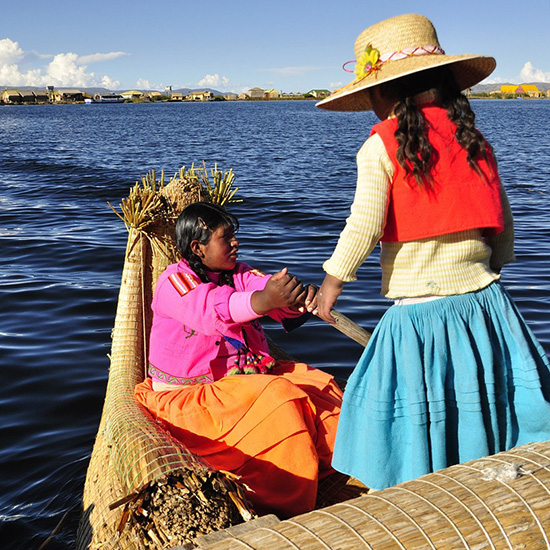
457,198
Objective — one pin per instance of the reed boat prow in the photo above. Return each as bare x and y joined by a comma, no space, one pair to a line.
501,501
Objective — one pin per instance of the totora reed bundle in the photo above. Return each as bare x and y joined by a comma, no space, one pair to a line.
143,488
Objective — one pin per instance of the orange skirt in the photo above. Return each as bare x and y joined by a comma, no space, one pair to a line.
275,431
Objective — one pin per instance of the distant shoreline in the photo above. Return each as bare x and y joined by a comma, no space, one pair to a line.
130,101
27,104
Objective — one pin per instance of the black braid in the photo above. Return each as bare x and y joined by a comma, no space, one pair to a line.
415,153
196,223
460,112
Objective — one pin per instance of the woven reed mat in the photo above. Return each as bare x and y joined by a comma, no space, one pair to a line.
498,502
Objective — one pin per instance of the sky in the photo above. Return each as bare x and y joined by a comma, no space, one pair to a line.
234,45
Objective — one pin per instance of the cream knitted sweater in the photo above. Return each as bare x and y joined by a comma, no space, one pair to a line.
444,265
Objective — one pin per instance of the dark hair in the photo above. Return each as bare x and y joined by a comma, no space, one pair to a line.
415,153
196,223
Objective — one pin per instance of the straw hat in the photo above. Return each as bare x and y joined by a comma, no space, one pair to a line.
397,47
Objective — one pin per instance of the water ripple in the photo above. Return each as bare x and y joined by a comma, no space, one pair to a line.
63,248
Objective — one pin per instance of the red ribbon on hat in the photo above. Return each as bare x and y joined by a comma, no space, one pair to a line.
402,54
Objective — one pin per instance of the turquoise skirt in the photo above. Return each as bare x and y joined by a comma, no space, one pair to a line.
439,383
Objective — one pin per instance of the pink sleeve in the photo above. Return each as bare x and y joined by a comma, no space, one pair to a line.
250,279
240,307
209,308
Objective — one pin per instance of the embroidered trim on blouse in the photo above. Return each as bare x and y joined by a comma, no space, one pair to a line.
154,372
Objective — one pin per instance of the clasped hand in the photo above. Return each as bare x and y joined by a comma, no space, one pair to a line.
284,290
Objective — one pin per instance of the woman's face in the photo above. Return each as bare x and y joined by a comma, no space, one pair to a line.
382,105
220,252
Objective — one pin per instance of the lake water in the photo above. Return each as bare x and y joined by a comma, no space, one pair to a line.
62,250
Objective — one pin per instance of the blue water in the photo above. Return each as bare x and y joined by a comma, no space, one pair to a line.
62,251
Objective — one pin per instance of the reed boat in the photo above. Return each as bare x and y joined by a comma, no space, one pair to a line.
144,489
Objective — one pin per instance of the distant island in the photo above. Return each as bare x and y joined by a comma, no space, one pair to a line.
50,94
534,90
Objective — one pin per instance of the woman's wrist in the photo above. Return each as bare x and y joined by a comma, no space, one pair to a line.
260,302
328,296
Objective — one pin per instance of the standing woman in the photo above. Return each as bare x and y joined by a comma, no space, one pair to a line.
451,373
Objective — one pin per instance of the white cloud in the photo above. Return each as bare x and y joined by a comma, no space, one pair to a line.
63,69
10,52
529,74
335,85
146,84
109,83
99,57
143,83
214,81
10,76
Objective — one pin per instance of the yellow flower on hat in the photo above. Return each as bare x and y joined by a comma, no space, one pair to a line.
367,63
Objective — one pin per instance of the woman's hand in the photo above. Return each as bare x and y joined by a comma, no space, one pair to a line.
310,299
282,290
326,298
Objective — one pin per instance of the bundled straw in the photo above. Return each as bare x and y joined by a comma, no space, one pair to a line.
220,191
133,454
498,502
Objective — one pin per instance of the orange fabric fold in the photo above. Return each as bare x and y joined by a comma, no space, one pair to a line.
276,430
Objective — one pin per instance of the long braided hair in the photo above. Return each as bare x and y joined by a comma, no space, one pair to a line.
415,153
196,223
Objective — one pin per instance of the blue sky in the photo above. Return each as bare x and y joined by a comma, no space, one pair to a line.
233,45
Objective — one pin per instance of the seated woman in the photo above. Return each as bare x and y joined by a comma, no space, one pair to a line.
212,380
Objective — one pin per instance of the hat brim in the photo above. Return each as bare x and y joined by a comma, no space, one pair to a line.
468,69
